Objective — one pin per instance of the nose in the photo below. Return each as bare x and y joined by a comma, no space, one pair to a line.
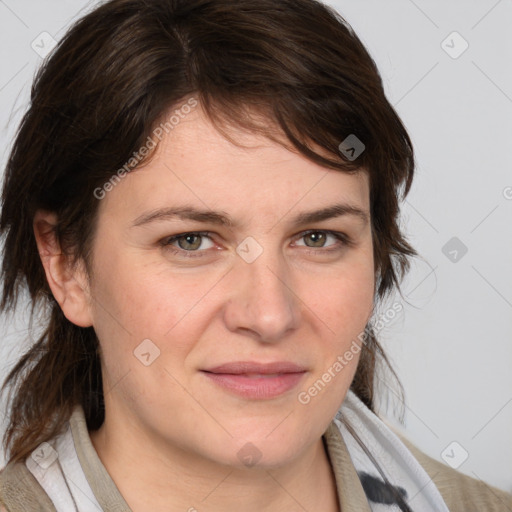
263,302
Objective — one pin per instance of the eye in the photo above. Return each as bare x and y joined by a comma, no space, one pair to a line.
189,242
315,239
320,239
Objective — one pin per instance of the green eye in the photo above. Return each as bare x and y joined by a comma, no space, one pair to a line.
316,239
323,241
190,242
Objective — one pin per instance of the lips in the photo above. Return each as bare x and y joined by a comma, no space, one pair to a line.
249,367
257,381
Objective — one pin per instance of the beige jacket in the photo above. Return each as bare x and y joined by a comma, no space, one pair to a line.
20,492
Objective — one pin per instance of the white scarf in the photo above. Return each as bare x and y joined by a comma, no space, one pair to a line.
392,478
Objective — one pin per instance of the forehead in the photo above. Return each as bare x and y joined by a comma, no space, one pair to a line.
196,164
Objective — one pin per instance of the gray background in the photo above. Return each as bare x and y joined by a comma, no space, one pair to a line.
452,343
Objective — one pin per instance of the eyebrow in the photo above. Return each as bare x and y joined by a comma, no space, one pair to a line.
222,219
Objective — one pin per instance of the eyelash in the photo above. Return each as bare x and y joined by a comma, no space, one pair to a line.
341,237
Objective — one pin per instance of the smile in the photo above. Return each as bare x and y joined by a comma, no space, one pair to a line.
256,386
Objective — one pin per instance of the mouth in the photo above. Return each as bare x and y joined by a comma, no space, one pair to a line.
257,381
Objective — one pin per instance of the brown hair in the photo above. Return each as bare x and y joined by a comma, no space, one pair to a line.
97,98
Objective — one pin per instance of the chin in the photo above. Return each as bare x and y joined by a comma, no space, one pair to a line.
256,456
264,451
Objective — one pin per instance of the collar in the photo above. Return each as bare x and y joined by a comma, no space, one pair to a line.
351,496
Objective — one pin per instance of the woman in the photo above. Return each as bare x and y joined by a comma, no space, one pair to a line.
204,197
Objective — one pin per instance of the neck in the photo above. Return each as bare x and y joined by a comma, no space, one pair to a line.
171,479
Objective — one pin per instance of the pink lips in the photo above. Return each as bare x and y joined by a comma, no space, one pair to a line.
256,380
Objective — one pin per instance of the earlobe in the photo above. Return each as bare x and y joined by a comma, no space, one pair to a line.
67,279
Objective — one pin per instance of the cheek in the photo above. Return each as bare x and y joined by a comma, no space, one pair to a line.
343,305
344,300
136,301
142,298
138,315
351,307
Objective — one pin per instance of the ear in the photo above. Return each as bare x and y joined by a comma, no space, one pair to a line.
67,280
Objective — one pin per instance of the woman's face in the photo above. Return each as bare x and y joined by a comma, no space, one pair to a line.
229,342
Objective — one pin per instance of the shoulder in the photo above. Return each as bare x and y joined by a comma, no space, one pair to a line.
20,491
461,493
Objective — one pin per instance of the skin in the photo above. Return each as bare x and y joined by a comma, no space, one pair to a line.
171,436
